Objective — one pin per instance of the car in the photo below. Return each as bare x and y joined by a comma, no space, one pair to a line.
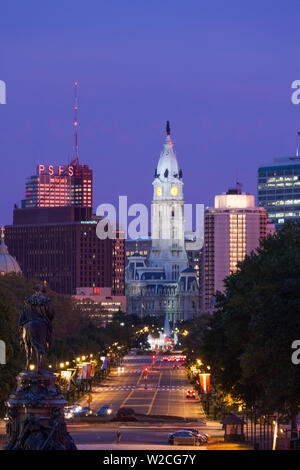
190,394
76,408
105,410
165,359
203,435
195,432
69,412
83,411
186,437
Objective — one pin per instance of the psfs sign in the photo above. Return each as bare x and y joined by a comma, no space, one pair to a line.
53,170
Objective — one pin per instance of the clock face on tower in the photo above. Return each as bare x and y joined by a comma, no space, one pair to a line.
158,191
174,191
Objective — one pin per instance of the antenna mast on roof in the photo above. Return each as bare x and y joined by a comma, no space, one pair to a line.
75,127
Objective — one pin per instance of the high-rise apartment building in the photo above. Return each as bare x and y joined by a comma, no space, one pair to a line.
233,228
279,189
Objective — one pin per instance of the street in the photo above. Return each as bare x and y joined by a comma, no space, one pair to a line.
164,396
164,400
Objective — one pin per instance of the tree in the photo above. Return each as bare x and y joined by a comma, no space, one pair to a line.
248,339
13,364
74,336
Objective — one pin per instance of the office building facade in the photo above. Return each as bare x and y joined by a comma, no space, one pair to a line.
279,189
99,304
57,186
60,246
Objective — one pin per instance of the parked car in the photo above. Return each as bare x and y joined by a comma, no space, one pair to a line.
190,394
105,410
186,438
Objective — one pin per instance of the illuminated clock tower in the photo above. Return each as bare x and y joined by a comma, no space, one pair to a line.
167,218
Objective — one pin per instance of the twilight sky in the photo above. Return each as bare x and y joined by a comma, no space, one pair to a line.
219,70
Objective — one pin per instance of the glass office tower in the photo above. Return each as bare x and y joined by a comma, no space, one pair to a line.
279,189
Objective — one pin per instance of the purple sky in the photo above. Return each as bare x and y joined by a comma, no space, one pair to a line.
220,71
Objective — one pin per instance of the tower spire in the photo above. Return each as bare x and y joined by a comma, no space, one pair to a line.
2,234
168,128
75,127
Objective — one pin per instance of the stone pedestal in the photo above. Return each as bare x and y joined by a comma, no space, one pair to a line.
36,414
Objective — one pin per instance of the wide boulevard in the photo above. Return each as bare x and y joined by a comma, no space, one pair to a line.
161,396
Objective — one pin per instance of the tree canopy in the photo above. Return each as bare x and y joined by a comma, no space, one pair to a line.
247,341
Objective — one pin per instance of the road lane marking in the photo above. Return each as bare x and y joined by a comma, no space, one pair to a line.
129,395
127,398
145,406
154,396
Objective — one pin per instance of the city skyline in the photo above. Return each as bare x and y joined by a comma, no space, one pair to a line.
226,94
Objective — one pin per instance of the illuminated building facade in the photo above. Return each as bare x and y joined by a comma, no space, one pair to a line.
57,186
140,245
160,282
118,264
279,189
232,229
99,304
8,264
60,246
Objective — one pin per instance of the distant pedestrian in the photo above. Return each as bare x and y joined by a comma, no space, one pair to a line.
118,436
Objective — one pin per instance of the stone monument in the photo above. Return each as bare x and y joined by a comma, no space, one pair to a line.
36,408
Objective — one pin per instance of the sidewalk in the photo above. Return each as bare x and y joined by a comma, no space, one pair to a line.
219,444
137,447
214,429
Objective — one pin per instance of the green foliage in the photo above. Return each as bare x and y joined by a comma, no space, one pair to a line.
74,334
248,339
13,356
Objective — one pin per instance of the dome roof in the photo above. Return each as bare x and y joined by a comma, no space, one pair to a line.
168,165
167,168
8,264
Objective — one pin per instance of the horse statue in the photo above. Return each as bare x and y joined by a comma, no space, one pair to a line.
35,324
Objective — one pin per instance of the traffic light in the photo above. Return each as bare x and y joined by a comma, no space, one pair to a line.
153,358
146,371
